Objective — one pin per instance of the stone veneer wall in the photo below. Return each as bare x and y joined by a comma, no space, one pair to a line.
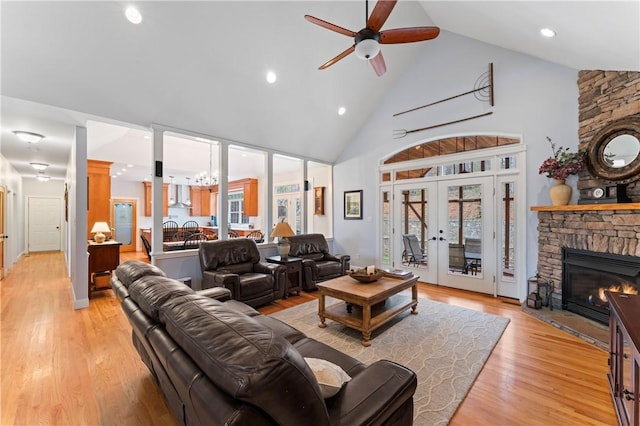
604,96
605,231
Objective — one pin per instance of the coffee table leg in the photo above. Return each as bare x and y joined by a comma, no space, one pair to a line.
366,325
321,310
414,296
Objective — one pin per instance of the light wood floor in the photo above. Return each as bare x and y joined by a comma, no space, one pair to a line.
61,366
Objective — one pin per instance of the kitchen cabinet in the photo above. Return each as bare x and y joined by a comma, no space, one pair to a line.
147,199
201,200
98,193
249,187
624,361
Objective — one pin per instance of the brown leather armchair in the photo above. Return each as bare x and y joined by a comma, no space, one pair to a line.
235,264
317,264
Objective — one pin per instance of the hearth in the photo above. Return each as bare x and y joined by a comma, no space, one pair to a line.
587,274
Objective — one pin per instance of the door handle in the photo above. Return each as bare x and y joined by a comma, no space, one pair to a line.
57,227
433,238
442,239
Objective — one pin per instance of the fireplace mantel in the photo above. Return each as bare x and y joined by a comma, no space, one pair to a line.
586,207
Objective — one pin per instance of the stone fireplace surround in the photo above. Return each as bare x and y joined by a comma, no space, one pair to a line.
604,228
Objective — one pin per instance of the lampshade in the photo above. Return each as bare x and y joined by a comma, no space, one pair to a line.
99,228
282,229
28,136
367,49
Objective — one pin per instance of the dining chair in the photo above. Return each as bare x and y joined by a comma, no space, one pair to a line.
147,246
190,227
256,236
233,234
169,228
193,241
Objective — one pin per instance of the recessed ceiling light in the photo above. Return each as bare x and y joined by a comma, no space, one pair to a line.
129,165
133,15
42,177
271,77
342,110
39,166
147,137
28,136
548,32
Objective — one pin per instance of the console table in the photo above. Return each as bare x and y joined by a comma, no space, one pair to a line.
103,258
624,361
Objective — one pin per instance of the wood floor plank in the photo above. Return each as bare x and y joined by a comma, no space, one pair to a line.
60,366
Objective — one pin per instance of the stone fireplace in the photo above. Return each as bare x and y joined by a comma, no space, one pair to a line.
586,275
602,229
607,229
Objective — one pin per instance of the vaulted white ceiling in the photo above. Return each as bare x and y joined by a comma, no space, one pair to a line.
201,66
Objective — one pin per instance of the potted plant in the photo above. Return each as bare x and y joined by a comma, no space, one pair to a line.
560,166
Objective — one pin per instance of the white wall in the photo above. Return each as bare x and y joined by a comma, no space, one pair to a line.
533,98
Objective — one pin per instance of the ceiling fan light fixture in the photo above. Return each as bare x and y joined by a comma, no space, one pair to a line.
29,137
39,166
367,49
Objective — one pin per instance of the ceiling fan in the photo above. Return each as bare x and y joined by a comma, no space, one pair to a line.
367,41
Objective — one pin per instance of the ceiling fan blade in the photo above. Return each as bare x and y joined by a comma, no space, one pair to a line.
408,35
380,14
378,64
329,26
337,58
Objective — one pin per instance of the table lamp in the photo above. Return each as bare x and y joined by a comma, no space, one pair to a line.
282,231
99,228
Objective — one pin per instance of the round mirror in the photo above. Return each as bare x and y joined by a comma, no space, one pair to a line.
614,152
621,151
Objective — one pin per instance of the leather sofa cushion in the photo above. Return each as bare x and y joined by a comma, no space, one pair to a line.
246,359
219,254
254,284
327,268
151,292
132,270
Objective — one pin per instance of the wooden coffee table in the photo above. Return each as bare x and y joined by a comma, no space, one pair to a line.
372,300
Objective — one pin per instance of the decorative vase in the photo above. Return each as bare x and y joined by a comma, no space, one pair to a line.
560,193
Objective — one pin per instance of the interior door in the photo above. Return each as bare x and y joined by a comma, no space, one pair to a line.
2,235
44,223
123,220
465,234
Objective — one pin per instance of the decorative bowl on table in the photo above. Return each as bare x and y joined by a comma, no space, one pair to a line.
362,276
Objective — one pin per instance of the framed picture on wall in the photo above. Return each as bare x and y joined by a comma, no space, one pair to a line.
353,205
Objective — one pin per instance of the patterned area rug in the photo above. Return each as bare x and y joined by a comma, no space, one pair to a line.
445,345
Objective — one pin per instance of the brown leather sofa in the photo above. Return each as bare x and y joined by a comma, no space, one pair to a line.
318,264
235,264
219,361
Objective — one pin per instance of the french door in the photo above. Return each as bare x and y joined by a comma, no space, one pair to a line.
451,224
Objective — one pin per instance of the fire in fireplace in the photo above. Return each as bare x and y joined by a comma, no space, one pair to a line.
586,275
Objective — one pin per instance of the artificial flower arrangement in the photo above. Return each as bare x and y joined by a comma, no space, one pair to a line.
563,163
